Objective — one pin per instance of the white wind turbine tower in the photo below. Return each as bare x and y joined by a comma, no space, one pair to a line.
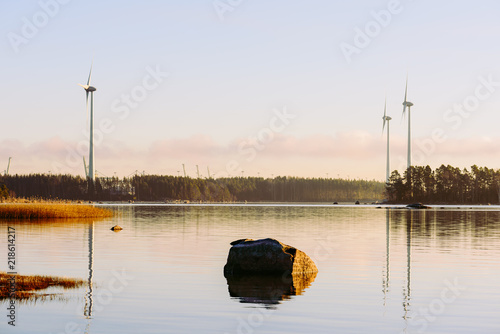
89,89
386,119
408,104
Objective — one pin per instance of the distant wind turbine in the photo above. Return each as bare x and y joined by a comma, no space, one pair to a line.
89,89
408,104
386,119
8,167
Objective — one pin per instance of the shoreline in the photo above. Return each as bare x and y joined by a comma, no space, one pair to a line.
31,210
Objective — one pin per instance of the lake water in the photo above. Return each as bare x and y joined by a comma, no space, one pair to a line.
380,271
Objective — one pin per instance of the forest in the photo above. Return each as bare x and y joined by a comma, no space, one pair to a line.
446,185
177,188
443,185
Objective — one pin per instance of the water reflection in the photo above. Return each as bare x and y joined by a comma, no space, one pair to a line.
443,231
372,262
407,291
88,295
268,289
386,277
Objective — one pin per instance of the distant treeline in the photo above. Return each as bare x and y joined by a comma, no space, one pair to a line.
175,188
446,184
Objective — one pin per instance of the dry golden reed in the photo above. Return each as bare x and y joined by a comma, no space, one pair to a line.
27,285
40,209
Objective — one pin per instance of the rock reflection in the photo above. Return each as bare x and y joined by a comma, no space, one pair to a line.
268,289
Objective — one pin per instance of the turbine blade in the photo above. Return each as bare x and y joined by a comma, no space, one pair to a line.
406,95
385,115
406,88
385,107
90,73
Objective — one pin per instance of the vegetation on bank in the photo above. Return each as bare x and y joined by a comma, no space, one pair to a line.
173,188
42,209
4,192
26,287
446,184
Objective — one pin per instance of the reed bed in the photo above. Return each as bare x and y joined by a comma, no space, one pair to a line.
26,287
40,209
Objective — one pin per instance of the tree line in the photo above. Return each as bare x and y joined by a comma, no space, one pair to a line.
446,184
177,188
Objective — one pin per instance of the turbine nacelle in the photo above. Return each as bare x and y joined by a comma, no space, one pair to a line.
88,88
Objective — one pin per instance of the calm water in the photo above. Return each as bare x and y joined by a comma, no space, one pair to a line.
380,271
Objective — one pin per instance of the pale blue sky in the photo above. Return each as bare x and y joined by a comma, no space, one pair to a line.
226,76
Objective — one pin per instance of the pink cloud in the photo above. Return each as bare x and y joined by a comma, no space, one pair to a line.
348,151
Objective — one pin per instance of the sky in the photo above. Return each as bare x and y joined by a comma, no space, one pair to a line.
252,88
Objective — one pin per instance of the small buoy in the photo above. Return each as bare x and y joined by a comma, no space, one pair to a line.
116,228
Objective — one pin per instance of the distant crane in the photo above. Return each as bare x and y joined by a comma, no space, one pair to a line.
136,171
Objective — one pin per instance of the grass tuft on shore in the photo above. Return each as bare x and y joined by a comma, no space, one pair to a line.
40,209
26,286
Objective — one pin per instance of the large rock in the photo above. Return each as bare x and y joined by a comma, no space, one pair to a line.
266,256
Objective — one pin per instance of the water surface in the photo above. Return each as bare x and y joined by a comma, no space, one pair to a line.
380,271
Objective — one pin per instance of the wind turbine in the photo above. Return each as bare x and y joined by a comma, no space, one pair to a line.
90,89
8,167
408,104
386,119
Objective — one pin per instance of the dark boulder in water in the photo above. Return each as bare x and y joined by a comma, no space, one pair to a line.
266,256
